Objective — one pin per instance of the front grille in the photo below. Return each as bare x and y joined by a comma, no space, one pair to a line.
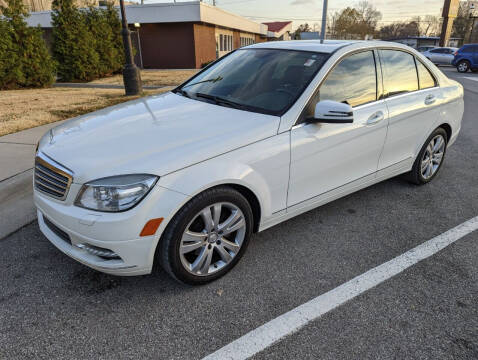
56,230
51,179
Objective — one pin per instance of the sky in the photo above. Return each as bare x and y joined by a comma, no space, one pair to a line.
301,11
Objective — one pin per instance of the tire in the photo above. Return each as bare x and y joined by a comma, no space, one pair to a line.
463,66
421,172
187,245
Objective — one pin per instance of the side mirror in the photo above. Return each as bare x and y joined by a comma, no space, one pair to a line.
333,112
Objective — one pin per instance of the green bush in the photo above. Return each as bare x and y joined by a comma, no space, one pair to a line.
24,57
74,46
86,42
105,26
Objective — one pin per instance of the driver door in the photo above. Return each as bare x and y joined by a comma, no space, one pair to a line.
325,157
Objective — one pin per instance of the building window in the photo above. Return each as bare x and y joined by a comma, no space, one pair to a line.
221,44
245,41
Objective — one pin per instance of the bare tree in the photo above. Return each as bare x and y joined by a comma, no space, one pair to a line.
356,22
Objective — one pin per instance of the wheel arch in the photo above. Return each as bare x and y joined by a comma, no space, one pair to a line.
447,128
253,202
246,191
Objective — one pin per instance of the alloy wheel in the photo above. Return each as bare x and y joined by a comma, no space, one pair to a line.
212,239
432,157
463,67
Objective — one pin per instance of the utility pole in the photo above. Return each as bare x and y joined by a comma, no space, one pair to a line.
324,22
131,74
450,11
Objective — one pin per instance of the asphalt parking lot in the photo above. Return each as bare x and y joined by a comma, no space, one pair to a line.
52,307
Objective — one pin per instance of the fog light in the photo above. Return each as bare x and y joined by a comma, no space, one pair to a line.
101,252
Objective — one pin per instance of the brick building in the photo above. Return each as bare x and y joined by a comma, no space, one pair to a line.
184,34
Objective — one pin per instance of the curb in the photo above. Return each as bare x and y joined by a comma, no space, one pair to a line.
16,203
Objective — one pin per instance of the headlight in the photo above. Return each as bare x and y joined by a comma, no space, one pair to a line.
116,193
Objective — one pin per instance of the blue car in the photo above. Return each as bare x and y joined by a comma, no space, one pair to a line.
466,58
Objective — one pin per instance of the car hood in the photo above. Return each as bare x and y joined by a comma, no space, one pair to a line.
154,135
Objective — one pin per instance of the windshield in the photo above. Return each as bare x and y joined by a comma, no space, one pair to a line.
268,81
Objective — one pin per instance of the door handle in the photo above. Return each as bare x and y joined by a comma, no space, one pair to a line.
375,118
430,99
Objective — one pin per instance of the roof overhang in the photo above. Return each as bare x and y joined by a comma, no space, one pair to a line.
192,11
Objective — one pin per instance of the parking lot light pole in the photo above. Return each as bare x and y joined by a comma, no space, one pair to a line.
131,74
324,22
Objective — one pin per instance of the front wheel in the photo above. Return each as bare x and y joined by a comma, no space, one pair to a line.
207,237
430,158
463,66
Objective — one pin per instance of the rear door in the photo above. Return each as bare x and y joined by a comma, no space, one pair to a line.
436,55
449,56
412,98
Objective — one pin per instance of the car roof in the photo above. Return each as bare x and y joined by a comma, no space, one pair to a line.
329,46
444,47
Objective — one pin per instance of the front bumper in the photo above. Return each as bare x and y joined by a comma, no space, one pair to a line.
133,254
116,232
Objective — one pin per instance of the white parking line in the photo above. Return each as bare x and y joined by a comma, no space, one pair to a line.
290,322
470,78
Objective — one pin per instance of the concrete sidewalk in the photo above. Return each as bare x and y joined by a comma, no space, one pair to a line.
17,152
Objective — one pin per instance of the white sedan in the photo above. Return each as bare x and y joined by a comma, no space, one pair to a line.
441,55
262,135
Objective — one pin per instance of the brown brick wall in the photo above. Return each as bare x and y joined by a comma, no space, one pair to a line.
205,44
167,46
236,39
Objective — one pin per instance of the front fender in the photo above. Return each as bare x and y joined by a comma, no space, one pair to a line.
262,167
198,178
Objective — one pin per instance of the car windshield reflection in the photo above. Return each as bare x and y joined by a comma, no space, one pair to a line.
267,81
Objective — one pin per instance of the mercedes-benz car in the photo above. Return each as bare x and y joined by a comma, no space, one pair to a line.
263,134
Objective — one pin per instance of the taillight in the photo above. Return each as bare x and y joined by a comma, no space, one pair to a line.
455,53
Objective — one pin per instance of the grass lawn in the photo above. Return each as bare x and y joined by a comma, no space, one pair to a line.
153,77
24,109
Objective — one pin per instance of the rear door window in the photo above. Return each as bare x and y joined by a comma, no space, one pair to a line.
425,78
400,72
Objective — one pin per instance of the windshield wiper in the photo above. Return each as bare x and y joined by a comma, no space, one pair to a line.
219,78
220,100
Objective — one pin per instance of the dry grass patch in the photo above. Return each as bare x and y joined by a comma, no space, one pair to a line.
24,109
153,78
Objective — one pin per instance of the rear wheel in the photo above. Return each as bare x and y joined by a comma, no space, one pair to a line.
430,158
463,66
207,237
